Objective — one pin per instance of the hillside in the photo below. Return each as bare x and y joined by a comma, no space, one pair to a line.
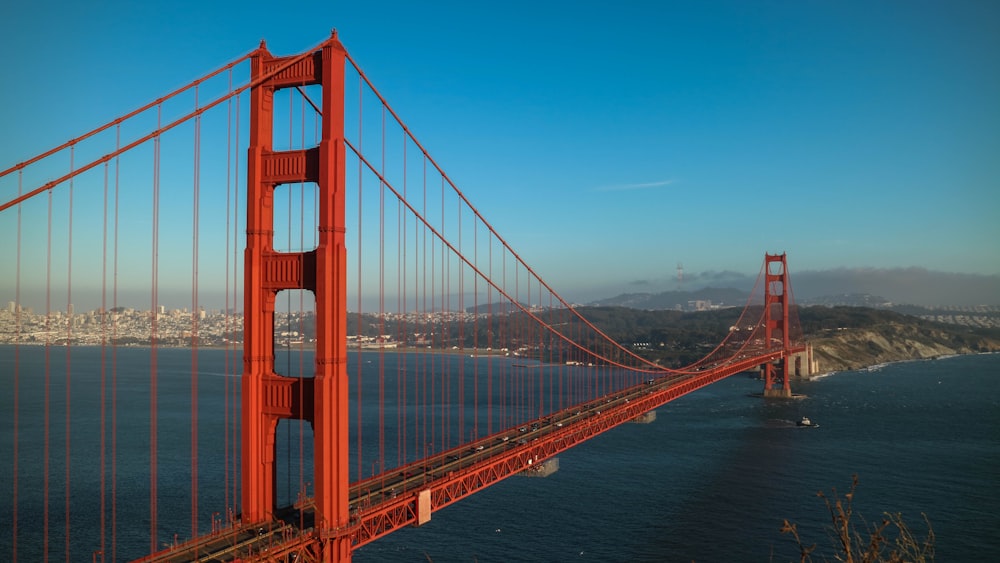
845,338
677,300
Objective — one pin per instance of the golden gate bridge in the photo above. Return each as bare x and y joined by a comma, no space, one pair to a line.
225,217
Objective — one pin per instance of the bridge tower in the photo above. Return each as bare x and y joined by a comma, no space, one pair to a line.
267,396
776,304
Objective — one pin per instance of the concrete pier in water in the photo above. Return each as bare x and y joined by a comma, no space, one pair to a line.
542,468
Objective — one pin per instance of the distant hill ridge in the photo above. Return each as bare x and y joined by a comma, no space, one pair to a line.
843,338
728,297
846,338
677,299
983,316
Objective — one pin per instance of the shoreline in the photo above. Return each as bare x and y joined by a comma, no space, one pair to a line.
875,364
383,349
879,366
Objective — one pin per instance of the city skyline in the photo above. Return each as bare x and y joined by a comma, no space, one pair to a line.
852,137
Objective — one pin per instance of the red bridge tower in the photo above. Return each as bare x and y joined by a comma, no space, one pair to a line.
267,396
776,303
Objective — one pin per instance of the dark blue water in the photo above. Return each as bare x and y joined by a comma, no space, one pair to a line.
713,477
710,480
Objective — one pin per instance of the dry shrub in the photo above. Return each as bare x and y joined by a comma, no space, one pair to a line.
890,540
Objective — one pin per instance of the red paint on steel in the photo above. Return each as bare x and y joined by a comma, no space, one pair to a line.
776,296
267,396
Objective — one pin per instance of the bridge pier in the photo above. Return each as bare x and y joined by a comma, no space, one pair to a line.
542,468
645,418
803,364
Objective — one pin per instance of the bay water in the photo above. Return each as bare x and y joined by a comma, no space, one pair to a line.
715,475
711,479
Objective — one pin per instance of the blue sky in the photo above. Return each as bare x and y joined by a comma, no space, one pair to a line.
608,142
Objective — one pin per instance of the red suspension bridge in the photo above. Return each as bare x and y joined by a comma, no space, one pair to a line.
194,370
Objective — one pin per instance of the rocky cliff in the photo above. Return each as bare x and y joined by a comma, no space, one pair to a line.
854,348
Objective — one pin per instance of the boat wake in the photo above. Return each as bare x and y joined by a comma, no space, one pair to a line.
779,423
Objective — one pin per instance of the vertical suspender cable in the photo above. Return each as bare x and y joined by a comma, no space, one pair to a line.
381,306
475,328
503,328
155,250
437,344
523,339
195,317
236,299
559,369
317,136
69,340
435,333
544,402
226,314
401,323
17,371
461,331
102,547
555,396
446,309
288,311
491,340
426,325
358,380
301,328
518,334
114,363
48,377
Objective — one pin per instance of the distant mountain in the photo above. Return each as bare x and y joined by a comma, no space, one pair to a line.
729,297
914,286
865,287
848,300
701,299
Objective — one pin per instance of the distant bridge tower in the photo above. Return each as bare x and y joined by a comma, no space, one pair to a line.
680,274
776,303
267,396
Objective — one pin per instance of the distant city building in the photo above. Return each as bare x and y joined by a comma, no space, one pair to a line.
700,305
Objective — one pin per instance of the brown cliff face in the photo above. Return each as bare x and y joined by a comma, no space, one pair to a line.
855,348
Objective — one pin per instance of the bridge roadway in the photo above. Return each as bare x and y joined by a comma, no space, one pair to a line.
387,502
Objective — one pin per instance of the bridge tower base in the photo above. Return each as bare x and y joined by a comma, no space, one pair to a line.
778,393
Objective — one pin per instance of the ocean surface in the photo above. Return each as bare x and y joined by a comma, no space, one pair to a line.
710,480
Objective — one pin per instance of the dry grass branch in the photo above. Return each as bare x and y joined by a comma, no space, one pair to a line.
890,540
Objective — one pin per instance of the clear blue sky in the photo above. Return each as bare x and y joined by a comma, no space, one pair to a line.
608,141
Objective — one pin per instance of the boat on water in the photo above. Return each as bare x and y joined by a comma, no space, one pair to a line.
804,421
